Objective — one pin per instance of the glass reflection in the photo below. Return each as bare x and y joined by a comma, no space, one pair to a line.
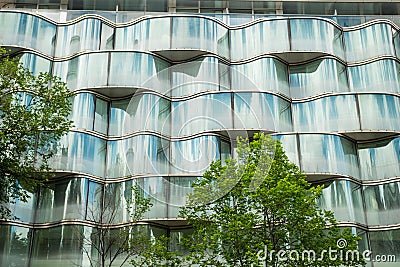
289,144
344,199
330,114
382,204
328,154
262,111
386,243
379,112
320,76
365,43
382,75
380,160
179,188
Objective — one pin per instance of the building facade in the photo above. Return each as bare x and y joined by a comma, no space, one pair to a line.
164,87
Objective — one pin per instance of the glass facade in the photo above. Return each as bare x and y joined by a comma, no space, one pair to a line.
157,99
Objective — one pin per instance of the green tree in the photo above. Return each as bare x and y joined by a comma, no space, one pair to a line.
269,217
33,115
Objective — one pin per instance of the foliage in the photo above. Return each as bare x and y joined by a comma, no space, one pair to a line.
33,115
270,208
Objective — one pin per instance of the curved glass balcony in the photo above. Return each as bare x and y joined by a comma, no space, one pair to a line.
374,40
318,77
199,34
88,34
14,245
333,154
138,155
88,70
380,160
315,35
138,70
266,74
195,155
262,38
210,112
328,114
29,31
141,112
382,204
80,152
262,111
379,112
378,76
148,35
344,198
71,199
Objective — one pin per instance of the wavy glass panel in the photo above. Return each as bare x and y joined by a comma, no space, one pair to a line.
386,243
328,154
24,211
261,111
28,31
14,245
378,76
89,70
179,188
142,112
316,35
199,75
101,116
379,112
147,35
195,155
142,154
203,113
82,113
139,70
344,199
262,38
317,77
369,42
79,152
35,64
200,34
266,74
330,114
81,36
62,200
60,246
289,144
382,203
380,160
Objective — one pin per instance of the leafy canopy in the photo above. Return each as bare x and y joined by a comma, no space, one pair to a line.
33,116
270,207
